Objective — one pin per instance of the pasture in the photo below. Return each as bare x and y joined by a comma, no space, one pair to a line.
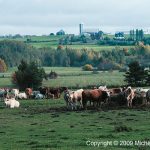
73,77
46,124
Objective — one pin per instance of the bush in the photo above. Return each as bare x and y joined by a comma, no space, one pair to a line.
28,76
87,67
53,75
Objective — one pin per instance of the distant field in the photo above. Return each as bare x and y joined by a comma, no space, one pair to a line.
95,47
73,77
53,42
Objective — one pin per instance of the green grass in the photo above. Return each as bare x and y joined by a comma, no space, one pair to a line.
89,79
73,77
45,124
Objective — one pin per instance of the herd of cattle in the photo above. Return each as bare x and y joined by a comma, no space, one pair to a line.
125,96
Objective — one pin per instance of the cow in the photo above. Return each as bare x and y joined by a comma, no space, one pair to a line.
3,93
22,95
15,92
39,96
122,98
96,96
28,91
49,90
129,95
34,93
75,97
57,91
12,103
69,104
148,97
103,88
50,95
140,95
115,90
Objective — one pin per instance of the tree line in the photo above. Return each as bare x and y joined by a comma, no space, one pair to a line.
12,52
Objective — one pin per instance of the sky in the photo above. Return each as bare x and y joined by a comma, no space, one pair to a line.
41,17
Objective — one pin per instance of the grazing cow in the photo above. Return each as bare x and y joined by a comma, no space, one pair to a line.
95,96
12,103
75,97
15,92
22,95
39,96
28,91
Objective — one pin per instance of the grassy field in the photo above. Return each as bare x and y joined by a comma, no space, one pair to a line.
47,125
73,77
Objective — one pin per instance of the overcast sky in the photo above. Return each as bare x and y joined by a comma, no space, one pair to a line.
46,16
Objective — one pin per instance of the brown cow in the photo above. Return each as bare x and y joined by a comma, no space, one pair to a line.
96,96
28,91
49,91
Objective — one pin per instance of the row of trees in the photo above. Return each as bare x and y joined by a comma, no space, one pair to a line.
12,52
137,35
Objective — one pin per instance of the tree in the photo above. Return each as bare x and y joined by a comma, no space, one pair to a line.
136,75
28,75
3,67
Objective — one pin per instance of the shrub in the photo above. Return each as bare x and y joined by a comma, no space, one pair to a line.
28,75
87,67
53,75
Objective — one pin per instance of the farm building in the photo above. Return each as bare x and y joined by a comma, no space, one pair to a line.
61,32
119,36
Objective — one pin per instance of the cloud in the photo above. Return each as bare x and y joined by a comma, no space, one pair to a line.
38,14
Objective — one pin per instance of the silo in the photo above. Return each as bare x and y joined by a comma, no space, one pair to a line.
81,28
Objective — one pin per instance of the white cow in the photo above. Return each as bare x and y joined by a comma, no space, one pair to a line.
34,93
15,92
12,103
103,88
129,94
22,95
39,96
75,97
